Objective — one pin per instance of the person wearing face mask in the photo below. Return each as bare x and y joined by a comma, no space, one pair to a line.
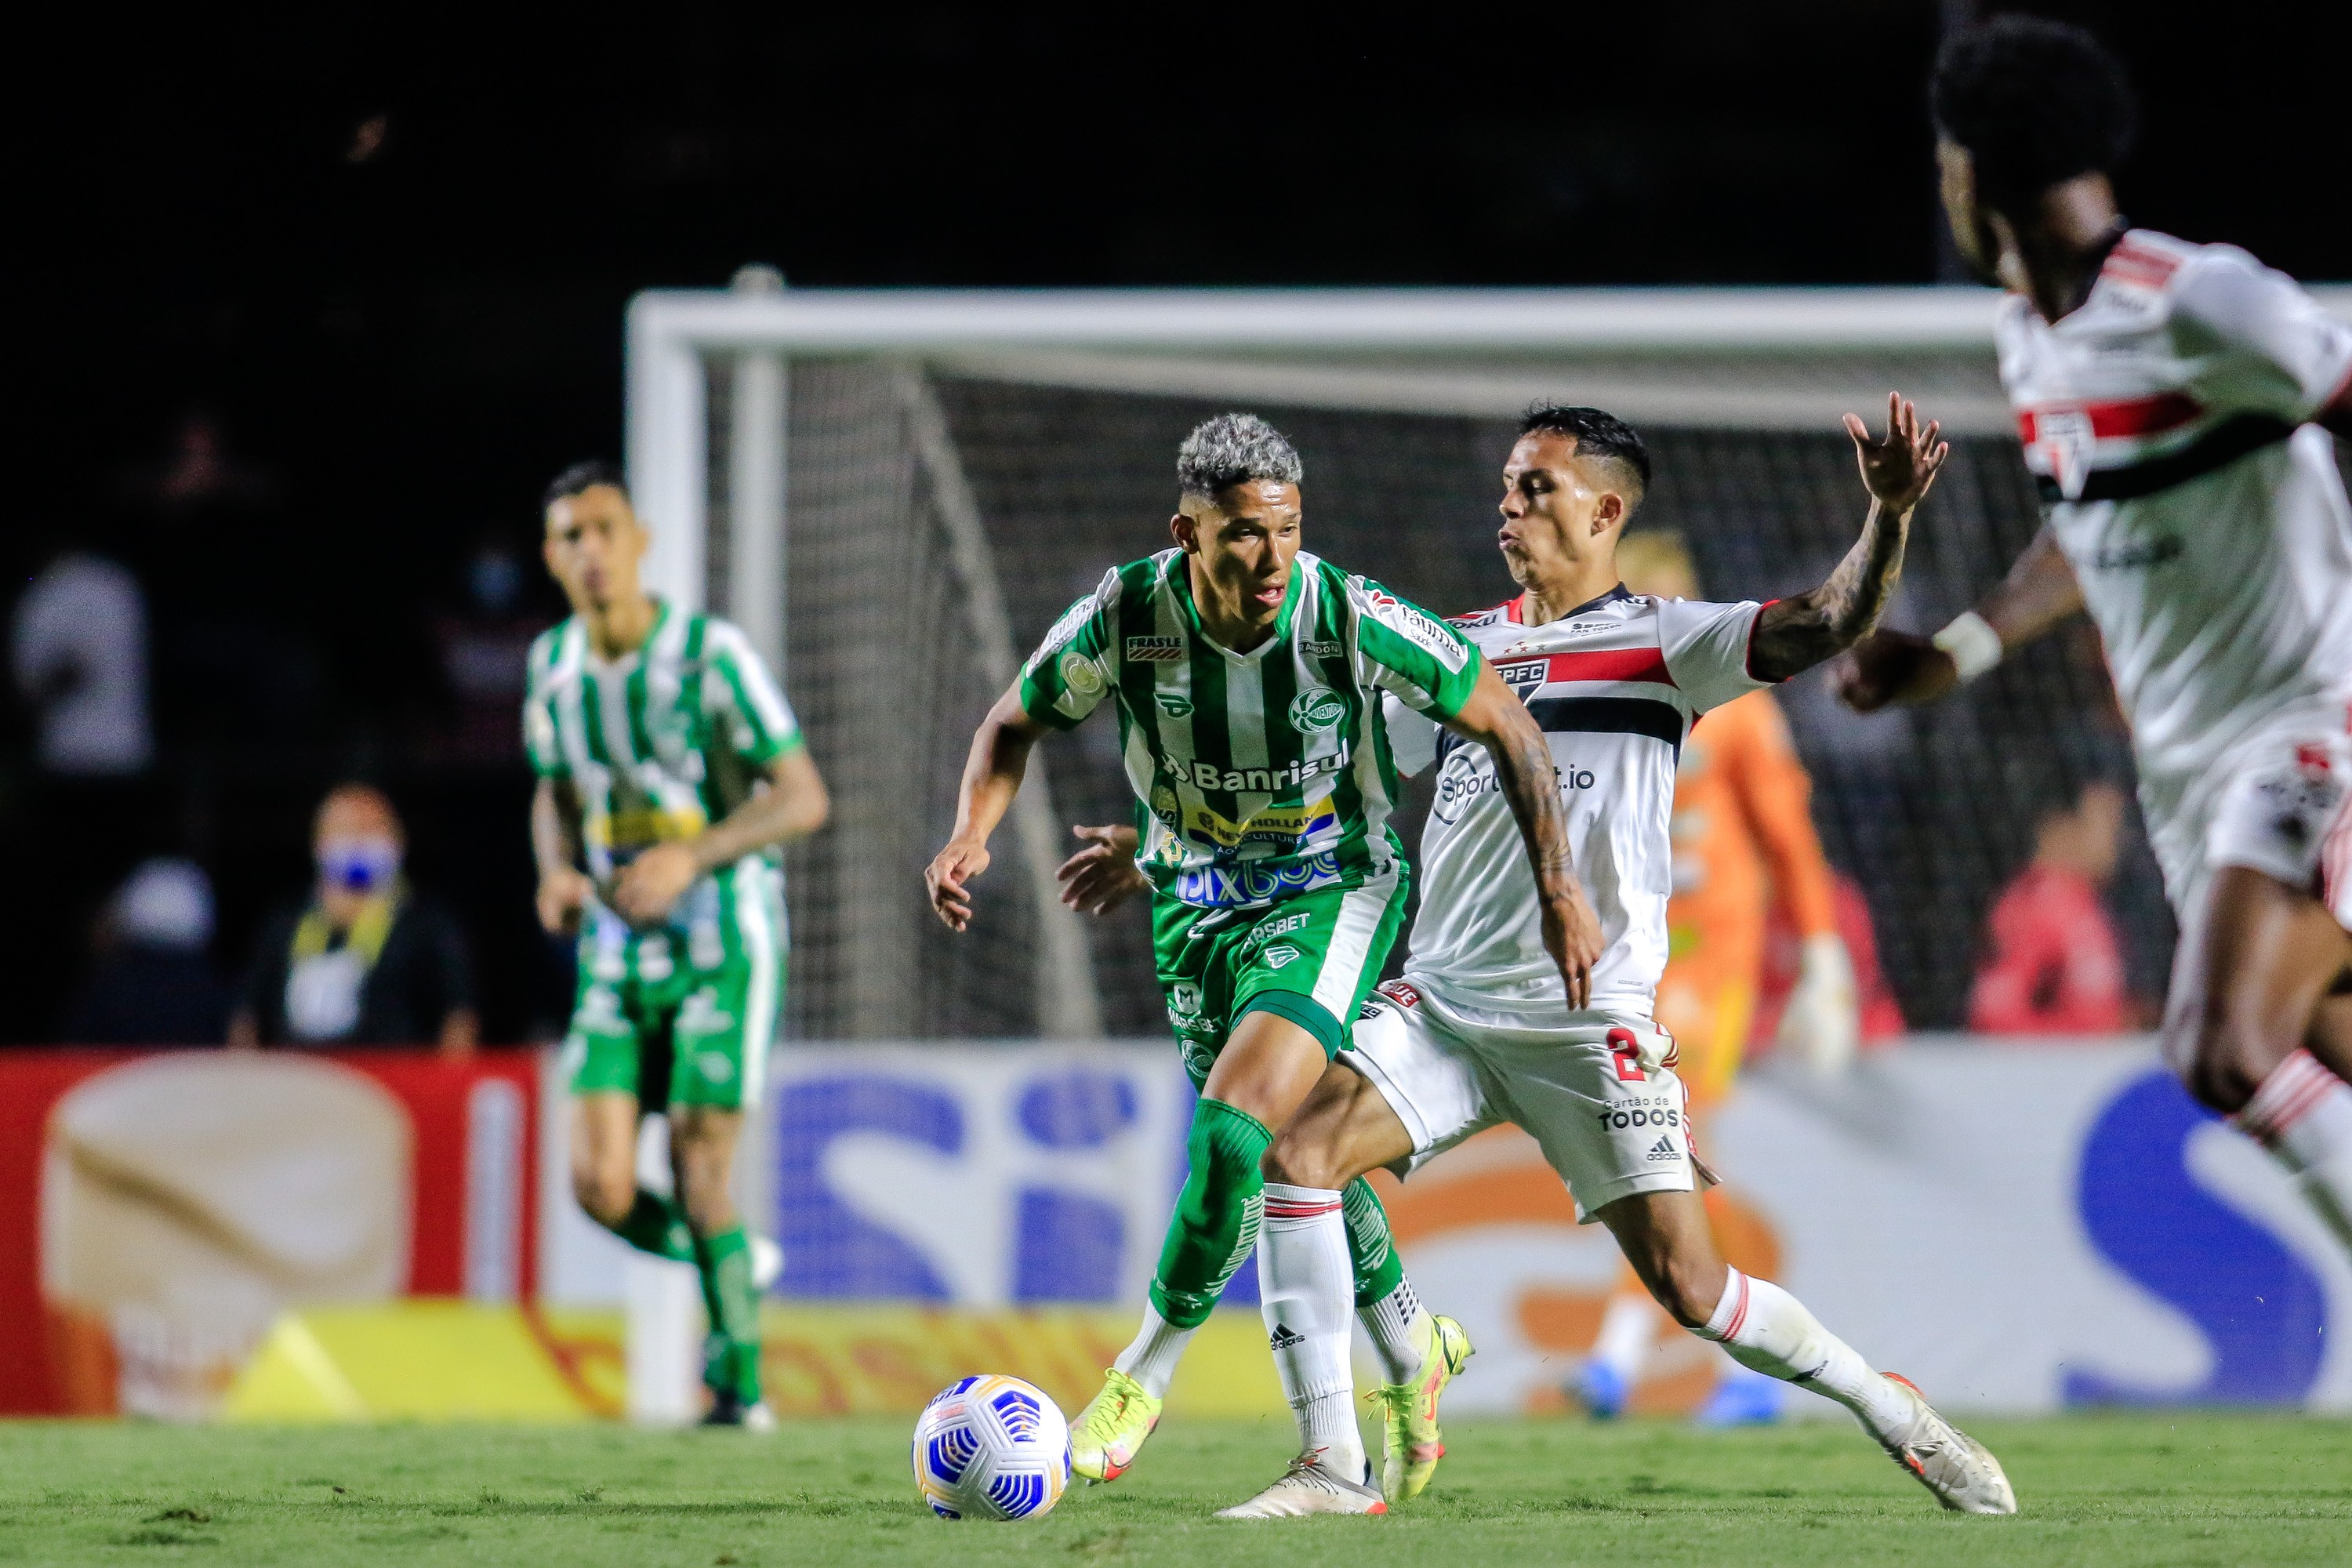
366,961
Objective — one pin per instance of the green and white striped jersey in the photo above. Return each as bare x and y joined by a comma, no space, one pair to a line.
1258,775
659,743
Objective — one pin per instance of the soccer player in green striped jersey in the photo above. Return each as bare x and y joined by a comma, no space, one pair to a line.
1247,677
669,769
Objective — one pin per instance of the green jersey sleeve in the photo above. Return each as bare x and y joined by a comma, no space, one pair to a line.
1077,664
1411,653
540,739
738,692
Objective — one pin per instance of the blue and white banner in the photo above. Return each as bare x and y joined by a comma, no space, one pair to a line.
2017,1228
977,1176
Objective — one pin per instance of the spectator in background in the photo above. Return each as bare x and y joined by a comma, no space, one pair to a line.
366,961
2051,964
79,646
150,982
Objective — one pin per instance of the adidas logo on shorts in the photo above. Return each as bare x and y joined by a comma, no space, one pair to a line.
1663,1149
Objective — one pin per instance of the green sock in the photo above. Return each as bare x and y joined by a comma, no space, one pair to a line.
732,1359
1217,1213
1379,1269
655,1225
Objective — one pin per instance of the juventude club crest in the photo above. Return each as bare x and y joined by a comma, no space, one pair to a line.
1316,709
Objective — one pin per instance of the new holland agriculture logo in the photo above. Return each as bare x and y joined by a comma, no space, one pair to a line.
1316,709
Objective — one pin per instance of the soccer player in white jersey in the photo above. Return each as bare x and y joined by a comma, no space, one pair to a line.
670,767
2175,401
1479,1031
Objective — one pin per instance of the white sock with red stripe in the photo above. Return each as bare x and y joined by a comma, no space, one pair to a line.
2302,1115
1306,1292
1769,1331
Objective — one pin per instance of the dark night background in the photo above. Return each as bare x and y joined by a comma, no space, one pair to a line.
307,312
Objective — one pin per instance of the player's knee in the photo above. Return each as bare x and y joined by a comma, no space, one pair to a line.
2221,1056
1688,1288
1302,1159
605,1196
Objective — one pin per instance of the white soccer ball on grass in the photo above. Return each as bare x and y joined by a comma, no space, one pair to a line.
991,1447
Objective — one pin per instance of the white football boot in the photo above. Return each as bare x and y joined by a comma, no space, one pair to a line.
1958,1469
766,1262
1309,1487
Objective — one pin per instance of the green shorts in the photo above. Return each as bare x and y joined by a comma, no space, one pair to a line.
1311,959
649,1020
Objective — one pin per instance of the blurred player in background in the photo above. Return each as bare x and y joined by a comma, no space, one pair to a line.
1247,677
1744,839
2176,402
669,769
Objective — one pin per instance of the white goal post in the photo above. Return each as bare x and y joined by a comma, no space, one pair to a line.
774,433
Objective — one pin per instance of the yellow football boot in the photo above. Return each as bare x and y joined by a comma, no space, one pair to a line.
1409,1410
1113,1426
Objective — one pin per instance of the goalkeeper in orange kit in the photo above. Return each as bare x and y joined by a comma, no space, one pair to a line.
1743,838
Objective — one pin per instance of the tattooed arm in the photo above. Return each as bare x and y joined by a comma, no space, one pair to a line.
1796,634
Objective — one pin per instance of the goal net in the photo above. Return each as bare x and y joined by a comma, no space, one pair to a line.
898,493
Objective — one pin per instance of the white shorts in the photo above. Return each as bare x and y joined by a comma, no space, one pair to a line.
2282,806
1601,1099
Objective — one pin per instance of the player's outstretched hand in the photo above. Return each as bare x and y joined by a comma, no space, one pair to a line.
562,899
949,869
1571,934
1103,876
1893,667
1900,468
654,883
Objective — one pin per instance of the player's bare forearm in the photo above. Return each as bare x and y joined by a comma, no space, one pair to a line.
555,844
1795,634
992,772
793,805
1897,469
555,827
2039,594
993,769
1891,667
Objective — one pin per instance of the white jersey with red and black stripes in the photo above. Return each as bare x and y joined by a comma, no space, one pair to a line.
2166,422
1616,685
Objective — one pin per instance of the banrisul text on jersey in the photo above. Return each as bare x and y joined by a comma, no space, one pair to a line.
1259,775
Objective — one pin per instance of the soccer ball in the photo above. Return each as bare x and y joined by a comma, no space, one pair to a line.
991,1447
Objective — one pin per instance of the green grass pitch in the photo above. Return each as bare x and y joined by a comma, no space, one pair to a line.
2140,1490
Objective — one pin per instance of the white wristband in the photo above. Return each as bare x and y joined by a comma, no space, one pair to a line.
1971,644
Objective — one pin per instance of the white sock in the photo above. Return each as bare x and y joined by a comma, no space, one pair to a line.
1766,1330
1394,1323
1151,1358
2302,1115
1306,1286
1629,1327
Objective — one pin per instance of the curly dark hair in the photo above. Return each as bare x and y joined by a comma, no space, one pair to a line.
2034,103
1599,434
